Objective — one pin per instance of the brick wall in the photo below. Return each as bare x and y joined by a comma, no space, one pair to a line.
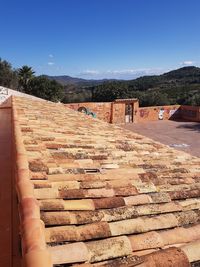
118,113
114,112
158,113
190,113
103,110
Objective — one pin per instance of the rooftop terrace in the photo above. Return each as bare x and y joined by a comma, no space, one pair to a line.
182,135
95,194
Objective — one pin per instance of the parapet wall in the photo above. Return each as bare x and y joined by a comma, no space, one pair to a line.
114,112
102,110
111,112
190,113
158,113
174,112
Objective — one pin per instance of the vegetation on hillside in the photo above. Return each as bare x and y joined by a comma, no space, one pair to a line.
8,76
181,86
25,81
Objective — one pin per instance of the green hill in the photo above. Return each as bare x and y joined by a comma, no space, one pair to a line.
181,86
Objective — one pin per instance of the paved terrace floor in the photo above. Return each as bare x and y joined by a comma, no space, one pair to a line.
180,135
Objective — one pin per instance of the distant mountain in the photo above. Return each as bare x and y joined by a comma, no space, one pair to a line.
65,80
180,86
68,80
186,74
183,73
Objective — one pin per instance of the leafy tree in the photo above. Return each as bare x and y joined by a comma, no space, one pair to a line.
197,100
25,74
154,99
46,89
193,100
110,91
8,76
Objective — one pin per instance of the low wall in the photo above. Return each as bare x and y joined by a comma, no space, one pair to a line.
114,112
190,113
103,110
158,113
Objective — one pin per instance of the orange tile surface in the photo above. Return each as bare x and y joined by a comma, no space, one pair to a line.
107,196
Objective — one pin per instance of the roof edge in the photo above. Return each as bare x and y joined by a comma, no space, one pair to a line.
34,249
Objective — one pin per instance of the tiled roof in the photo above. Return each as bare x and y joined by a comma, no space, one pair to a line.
107,196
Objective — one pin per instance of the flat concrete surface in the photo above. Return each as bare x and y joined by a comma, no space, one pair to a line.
179,135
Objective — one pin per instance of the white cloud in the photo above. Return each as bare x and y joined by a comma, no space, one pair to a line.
187,62
50,63
120,74
134,71
50,55
90,72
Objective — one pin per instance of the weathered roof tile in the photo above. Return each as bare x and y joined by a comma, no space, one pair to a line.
126,197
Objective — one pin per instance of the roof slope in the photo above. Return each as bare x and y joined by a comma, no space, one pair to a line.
107,196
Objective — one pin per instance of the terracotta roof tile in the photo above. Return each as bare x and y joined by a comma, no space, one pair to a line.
68,253
109,248
192,251
138,200
107,197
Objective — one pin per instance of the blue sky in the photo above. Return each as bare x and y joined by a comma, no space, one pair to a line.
100,38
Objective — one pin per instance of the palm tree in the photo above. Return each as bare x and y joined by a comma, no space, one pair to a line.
25,74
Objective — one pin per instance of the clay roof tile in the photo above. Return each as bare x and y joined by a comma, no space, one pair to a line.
107,197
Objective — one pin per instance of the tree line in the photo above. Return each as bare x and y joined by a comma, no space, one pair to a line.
25,81
181,86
